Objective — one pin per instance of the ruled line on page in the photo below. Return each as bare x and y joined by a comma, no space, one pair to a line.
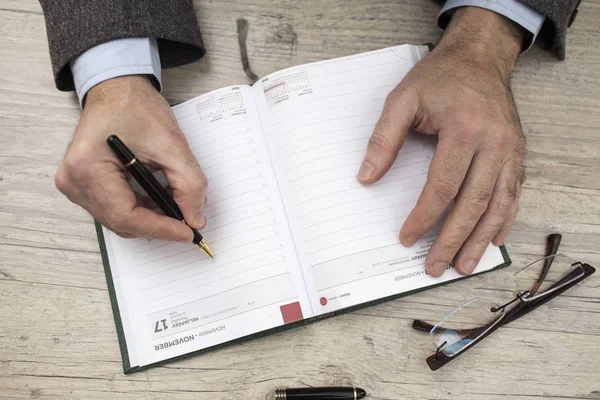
359,213
298,115
358,188
302,138
220,162
363,251
205,132
357,226
251,179
370,276
363,237
324,158
234,171
342,154
204,144
217,267
153,248
187,277
242,194
357,200
223,150
328,144
358,80
351,176
284,107
236,221
298,127
221,253
208,215
240,233
225,291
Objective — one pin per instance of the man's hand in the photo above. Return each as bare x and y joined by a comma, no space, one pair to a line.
91,176
461,92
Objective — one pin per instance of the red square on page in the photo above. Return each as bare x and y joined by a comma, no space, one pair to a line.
291,312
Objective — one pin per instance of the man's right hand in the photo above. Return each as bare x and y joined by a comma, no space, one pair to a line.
91,176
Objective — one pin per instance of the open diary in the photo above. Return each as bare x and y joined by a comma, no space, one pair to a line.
296,237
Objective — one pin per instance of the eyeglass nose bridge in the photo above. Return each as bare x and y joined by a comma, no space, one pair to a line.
440,348
520,296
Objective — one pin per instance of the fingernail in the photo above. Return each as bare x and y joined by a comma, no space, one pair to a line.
468,266
409,241
199,218
366,171
439,268
185,240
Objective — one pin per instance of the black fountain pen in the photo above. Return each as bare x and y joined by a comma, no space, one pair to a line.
157,193
323,393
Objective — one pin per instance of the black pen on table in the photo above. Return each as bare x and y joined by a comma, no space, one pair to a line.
152,186
320,393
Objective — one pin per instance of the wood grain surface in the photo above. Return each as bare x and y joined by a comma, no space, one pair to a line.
57,337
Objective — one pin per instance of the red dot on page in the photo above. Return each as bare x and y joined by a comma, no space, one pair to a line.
323,301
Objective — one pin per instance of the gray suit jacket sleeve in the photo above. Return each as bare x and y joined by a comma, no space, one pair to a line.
560,14
74,26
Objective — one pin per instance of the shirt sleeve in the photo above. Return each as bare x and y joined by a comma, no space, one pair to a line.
131,56
514,10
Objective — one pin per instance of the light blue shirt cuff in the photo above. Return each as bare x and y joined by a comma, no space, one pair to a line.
130,56
514,10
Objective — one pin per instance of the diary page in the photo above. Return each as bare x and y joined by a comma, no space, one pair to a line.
177,300
318,119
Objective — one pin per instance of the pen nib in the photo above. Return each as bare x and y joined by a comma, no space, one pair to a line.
204,247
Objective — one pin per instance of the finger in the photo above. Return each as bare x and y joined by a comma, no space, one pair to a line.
145,223
510,219
147,202
503,199
186,179
387,137
65,184
113,204
447,171
471,203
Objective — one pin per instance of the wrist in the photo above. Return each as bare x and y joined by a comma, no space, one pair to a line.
119,90
485,37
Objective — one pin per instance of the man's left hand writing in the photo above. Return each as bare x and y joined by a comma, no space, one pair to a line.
461,92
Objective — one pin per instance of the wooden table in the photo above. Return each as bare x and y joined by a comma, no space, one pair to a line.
57,338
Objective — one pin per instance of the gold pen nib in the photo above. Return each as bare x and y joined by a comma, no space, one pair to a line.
204,247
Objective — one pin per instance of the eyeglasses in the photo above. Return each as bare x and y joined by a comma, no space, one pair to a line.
534,285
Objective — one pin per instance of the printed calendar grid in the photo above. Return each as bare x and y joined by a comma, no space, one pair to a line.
230,103
285,85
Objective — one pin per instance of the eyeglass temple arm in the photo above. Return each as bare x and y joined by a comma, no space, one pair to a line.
439,359
552,245
532,305
423,326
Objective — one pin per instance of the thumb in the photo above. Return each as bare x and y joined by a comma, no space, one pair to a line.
387,138
188,184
